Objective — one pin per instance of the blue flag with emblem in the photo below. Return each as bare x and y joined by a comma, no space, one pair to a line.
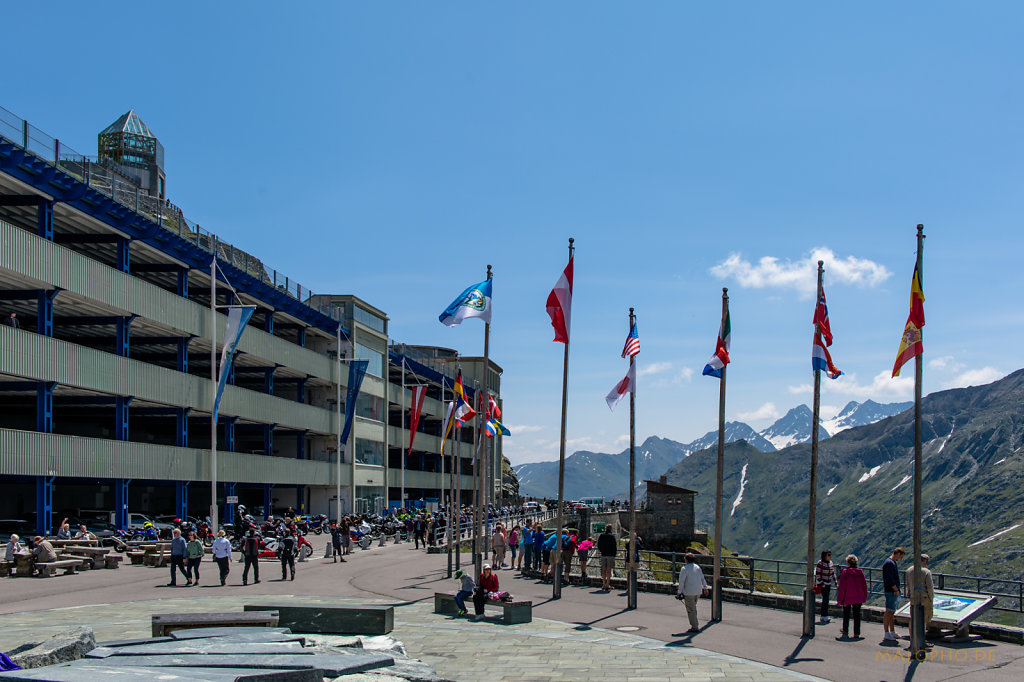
238,317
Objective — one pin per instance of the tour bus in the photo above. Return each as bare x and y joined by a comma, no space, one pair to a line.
595,503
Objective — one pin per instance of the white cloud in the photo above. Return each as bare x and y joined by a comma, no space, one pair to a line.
975,377
766,411
799,275
519,430
883,388
945,362
801,389
685,376
654,368
622,440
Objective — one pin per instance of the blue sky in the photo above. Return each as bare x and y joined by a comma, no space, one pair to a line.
393,150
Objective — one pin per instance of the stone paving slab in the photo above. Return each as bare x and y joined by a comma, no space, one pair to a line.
77,673
455,647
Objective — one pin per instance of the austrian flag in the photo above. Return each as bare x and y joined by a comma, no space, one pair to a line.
627,385
560,304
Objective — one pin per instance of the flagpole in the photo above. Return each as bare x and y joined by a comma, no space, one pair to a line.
918,646
808,629
457,486
716,597
477,470
556,553
402,461
213,390
440,484
337,440
631,562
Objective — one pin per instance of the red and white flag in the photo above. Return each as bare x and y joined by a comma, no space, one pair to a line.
418,393
560,304
627,385
493,411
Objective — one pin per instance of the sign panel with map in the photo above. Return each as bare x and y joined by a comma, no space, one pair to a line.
955,608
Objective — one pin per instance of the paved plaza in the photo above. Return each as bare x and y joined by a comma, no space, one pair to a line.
585,635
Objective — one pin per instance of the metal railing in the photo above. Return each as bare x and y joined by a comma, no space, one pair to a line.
748,572
116,182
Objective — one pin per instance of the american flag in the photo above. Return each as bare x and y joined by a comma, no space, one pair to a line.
632,346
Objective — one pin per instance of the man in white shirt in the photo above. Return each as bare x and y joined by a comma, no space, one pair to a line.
222,555
691,586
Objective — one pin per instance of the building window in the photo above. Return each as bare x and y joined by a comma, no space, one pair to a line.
369,499
370,407
369,452
367,318
376,364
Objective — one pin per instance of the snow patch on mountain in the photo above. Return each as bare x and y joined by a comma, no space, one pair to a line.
902,481
1001,461
743,485
869,474
831,489
993,537
946,439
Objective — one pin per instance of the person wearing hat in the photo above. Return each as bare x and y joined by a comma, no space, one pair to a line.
466,589
488,584
43,550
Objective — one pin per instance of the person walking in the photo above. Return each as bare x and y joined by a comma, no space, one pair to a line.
286,550
251,554
852,592
179,550
222,555
608,547
891,586
194,551
928,598
824,578
691,586
419,531
466,588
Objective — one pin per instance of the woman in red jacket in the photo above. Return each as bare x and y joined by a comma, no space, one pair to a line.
487,584
853,591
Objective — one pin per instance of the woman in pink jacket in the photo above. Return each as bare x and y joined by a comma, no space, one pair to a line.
853,591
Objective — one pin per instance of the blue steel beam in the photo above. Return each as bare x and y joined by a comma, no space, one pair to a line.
44,406
44,505
121,503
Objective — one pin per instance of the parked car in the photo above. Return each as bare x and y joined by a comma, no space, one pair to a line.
20,527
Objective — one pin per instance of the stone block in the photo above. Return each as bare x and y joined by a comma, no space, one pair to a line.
91,672
330,619
61,648
332,665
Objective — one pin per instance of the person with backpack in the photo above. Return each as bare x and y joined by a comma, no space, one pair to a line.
251,555
286,551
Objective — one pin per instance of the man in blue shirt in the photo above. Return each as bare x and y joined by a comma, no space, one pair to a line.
178,548
891,586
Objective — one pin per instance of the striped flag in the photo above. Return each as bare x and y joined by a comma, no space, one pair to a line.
632,346
463,410
821,360
720,359
560,304
912,344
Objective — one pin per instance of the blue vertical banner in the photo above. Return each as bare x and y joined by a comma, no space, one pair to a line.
356,372
238,318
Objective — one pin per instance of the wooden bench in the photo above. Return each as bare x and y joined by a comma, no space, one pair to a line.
330,619
513,611
166,623
48,569
112,560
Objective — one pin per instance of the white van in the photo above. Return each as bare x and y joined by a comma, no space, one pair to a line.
595,503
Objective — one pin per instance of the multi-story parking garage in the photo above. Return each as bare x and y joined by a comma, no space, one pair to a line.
105,388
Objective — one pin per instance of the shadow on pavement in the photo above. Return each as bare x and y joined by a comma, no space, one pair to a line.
794,656
586,625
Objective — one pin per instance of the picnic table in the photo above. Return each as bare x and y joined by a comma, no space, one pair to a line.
95,554
82,542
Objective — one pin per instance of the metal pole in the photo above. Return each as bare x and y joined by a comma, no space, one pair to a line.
352,431
917,624
808,630
631,587
213,388
458,506
556,552
337,440
402,443
716,597
478,469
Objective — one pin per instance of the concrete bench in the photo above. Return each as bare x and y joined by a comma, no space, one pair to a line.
333,619
135,557
6,567
513,612
49,568
166,623
157,559
112,560
85,562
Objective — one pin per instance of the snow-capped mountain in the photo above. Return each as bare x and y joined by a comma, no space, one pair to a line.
793,428
859,414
